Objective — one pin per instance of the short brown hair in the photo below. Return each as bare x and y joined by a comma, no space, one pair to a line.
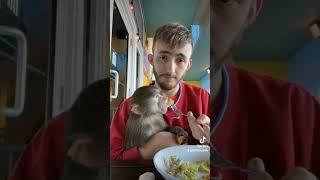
173,34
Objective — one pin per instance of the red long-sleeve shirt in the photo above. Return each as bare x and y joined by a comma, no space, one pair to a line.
271,119
192,99
43,158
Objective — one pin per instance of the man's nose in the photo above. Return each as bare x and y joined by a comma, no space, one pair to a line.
171,66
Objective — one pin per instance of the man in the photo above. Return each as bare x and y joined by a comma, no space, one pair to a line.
171,58
256,116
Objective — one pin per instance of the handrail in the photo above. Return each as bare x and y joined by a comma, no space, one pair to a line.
116,89
21,71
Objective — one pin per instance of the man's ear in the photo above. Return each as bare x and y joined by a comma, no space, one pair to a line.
254,11
135,109
189,64
150,58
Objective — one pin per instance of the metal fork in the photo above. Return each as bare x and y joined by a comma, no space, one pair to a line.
218,161
177,111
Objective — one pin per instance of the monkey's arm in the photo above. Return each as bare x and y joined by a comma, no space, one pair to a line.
181,134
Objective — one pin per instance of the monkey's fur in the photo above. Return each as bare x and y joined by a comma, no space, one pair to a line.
149,120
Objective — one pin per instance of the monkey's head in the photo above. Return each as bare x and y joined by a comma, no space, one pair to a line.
148,100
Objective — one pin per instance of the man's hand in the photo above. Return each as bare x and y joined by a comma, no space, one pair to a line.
199,127
297,173
156,143
87,153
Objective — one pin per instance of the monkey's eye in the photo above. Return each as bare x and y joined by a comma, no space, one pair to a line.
157,96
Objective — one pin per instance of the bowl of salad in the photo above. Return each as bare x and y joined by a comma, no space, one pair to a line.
185,162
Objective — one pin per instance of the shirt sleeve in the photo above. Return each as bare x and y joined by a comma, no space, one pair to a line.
306,127
117,135
42,158
205,98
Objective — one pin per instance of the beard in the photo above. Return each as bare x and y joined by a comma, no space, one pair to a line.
163,83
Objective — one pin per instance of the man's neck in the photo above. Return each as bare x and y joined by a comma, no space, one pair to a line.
169,93
216,82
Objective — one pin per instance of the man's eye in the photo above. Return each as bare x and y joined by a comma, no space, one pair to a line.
162,57
181,60
226,1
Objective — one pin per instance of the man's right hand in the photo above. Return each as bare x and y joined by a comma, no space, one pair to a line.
297,173
87,153
157,142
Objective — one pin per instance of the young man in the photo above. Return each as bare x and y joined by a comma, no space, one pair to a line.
257,116
171,58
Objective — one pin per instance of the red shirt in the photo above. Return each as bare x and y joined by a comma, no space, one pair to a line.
43,158
192,99
271,119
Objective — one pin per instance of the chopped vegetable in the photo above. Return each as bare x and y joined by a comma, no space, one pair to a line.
187,170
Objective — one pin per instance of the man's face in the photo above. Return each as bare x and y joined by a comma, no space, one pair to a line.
170,64
229,18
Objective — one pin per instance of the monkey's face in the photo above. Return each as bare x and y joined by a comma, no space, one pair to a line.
148,100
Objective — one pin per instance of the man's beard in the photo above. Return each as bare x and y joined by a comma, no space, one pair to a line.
165,85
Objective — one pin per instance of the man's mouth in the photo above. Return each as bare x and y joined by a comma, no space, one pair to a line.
168,76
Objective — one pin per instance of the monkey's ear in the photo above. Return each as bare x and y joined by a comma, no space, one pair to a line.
135,109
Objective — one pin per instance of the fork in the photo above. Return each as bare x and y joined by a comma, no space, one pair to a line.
177,111
218,161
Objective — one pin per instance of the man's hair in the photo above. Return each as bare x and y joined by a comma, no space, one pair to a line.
173,34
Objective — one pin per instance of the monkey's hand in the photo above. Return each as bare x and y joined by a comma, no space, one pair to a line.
181,134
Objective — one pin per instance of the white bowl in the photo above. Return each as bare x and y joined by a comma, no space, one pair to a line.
187,153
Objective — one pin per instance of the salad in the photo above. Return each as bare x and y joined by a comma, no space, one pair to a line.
188,170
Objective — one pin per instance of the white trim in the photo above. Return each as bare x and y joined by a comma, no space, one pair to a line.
69,57
131,25
97,46
110,30
141,62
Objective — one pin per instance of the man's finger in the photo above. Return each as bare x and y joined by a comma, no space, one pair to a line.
147,176
206,129
256,164
298,173
191,118
203,119
258,168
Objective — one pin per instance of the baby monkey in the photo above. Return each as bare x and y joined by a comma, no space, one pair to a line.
146,118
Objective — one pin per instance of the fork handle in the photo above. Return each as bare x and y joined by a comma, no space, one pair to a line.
244,170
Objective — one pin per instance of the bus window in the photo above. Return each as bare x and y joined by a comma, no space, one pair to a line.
119,60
